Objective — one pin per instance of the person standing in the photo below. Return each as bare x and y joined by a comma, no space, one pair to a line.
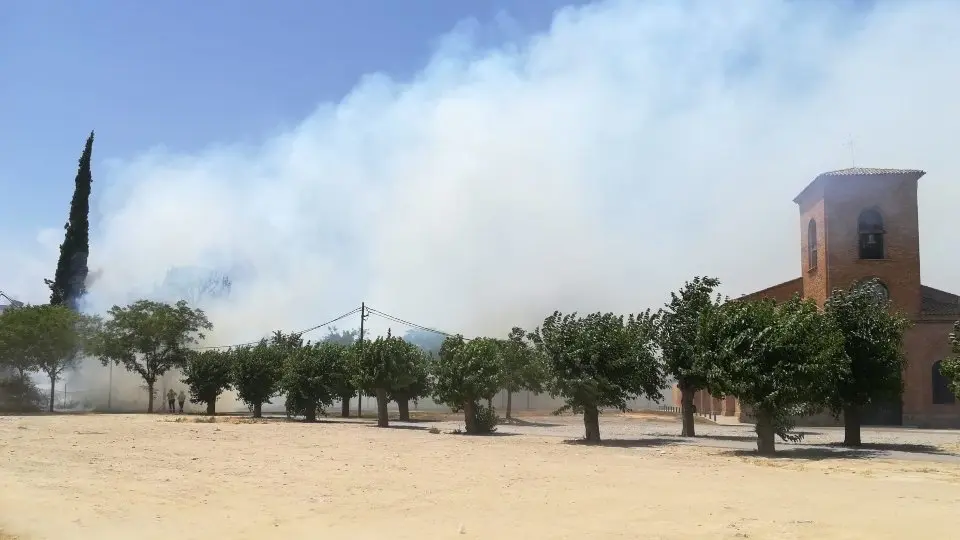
181,398
171,400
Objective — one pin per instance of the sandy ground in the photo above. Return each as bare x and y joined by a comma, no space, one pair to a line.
147,477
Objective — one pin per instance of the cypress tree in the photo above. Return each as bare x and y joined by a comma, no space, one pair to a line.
69,283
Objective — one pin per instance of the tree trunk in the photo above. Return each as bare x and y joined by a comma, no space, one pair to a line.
509,403
150,396
359,403
851,425
345,406
766,445
212,407
404,406
258,410
470,417
490,403
686,412
383,419
591,423
53,384
311,413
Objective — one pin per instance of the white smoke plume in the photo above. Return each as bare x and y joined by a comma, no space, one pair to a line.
594,166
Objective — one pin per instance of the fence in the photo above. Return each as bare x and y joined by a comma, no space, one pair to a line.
710,415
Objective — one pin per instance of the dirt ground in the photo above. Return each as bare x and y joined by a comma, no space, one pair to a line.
149,477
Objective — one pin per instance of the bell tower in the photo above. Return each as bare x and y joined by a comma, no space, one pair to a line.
862,223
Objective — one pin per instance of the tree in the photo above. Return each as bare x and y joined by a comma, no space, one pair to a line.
873,343
950,367
384,364
465,373
778,360
208,374
258,373
345,392
15,339
599,361
45,338
682,343
523,367
417,385
150,338
311,378
55,336
69,282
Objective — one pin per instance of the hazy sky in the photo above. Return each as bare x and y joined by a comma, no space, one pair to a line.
466,165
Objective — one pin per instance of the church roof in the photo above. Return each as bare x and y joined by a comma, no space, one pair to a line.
860,172
871,171
937,302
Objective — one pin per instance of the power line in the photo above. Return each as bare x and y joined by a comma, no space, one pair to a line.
311,329
13,302
410,324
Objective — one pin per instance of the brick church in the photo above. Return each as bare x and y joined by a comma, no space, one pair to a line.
862,223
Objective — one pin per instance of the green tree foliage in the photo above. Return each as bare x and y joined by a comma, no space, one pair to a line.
208,374
15,338
779,360
416,386
69,282
346,390
311,378
149,338
18,393
258,373
600,361
465,373
683,343
873,343
383,365
523,367
950,367
47,338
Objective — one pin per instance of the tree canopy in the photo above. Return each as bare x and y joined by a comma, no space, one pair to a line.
873,344
950,367
69,282
384,364
466,372
683,343
599,361
149,338
311,378
258,373
417,385
523,367
208,374
780,360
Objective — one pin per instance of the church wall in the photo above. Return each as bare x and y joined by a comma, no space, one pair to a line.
896,200
924,344
815,284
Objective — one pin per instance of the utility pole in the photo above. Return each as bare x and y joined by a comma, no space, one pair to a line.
363,317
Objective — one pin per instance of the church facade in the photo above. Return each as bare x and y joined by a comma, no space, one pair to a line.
862,223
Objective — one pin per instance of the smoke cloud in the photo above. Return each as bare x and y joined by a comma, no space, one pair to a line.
594,166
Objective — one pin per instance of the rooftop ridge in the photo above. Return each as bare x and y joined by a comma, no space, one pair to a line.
915,174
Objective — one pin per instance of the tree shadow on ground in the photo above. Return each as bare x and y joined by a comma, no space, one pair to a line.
898,447
526,423
807,453
395,426
481,435
651,442
738,438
